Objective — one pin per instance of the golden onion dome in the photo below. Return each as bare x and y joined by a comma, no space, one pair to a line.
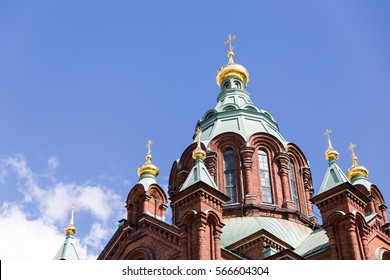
232,69
71,229
330,153
356,169
148,167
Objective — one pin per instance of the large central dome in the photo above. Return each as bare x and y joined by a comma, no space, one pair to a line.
235,111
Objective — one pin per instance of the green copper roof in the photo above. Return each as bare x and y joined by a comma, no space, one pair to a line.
235,112
146,180
68,250
361,180
236,229
334,177
198,173
316,242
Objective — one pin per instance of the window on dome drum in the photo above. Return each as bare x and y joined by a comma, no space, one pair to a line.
293,185
264,177
230,177
226,85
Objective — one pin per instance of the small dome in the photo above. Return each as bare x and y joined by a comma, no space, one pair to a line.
232,69
356,169
148,167
331,154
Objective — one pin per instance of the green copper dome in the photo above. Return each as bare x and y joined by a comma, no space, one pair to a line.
235,112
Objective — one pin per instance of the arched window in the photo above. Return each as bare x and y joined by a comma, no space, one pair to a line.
294,186
230,176
264,177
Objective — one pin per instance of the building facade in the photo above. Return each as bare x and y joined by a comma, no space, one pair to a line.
241,191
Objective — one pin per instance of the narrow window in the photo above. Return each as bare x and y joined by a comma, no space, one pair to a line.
230,177
294,187
264,177
334,176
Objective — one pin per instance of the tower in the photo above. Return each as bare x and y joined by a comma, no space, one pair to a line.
352,223
197,210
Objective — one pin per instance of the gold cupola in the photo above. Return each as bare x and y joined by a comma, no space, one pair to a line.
330,153
148,167
198,153
355,169
71,229
232,69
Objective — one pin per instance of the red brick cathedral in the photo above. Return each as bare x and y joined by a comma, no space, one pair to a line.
241,191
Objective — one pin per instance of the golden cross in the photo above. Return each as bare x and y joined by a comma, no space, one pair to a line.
149,145
327,132
72,214
352,149
198,133
229,41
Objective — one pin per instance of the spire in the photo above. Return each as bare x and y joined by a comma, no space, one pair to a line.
232,69
148,167
334,176
355,169
68,249
198,153
230,50
330,154
71,229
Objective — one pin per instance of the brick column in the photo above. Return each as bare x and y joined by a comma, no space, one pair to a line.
365,244
247,162
283,160
217,244
202,251
332,242
308,188
211,164
351,231
383,208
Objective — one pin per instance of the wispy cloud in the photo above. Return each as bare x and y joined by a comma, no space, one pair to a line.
45,206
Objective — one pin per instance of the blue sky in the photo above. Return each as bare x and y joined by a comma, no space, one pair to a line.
85,84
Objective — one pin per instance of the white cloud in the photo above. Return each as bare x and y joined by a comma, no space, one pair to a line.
28,239
36,222
97,233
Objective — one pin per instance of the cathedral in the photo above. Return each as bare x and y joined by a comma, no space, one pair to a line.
240,191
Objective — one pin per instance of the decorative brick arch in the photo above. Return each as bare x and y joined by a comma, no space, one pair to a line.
303,179
134,204
219,145
272,147
140,253
181,168
382,254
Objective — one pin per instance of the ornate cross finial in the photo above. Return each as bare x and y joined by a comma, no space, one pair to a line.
352,148
198,133
229,41
148,145
198,153
72,214
327,133
354,158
